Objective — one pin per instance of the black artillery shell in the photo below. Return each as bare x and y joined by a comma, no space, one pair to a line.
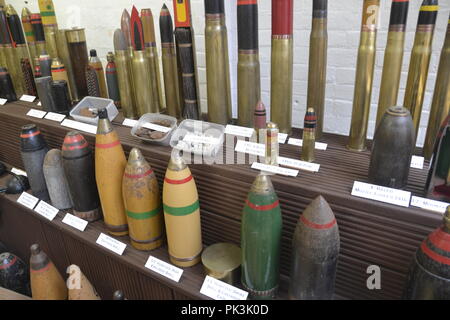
392,149
14,274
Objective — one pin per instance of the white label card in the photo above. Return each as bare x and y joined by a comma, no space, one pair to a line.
39,104
46,210
383,194
55,116
239,131
417,162
27,98
79,126
75,222
36,113
163,268
299,143
156,127
428,204
219,290
129,122
282,137
298,164
3,101
274,169
255,149
28,200
19,172
192,138
111,244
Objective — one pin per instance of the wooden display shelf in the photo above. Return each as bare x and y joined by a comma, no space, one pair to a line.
372,233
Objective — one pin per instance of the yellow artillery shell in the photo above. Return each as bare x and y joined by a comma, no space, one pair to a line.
182,214
142,203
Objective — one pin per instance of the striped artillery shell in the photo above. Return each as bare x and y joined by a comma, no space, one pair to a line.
56,180
309,136
14,274
29,33
78,163
111,80
6,86
38,29
182,214
261,239
33,150
392,149
46,282
420,61
429,274
47,10
282,64
58,70
316,245
79,286
260,121
110,163
142,203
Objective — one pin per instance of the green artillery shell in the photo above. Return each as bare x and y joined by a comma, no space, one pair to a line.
420,61
217,63
440,106
315,247
309,136
317,74
364,76
261,239
393,58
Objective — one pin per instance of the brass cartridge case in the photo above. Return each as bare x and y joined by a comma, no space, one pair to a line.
152,56
171,84
249,86
14,69
50,32
142,84
124,78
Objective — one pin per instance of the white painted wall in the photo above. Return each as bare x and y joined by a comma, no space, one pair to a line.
101,18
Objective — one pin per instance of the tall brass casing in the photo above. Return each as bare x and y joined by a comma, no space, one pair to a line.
217,69
317,74
14,69
64,56
364,76
152,55
125,79
249,86
142,84
440,106
50,32
40,47
171,84
281,82
3,62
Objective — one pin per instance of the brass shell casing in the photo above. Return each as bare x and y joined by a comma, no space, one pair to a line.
249,86
281,82
125,80
40,47
63,51
152,55
317,74
309,145
3,62
171,84
14,69
363,91
143,90
392,71
440,106
50,32
222,261
217,69
272,146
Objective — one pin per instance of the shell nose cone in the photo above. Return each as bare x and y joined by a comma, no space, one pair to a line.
35,249
262,184
135,155
53,158
319,212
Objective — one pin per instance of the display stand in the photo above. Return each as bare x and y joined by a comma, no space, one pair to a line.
372,233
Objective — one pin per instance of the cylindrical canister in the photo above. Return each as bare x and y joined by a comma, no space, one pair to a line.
96,64
60,91
317,74
14,274
110,163
272,146
142,84
309,136
282,64
261,240
392,149
429,274
440,107
315,245
50,32
46,282
217,63
222,261
46,64
125,84
6,86
56,181
111,80
364,76
44,90
142,203
78,163
249,83
182,214
76,40
80,288
33,149
64,56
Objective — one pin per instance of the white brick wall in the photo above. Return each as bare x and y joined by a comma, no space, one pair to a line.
101,18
